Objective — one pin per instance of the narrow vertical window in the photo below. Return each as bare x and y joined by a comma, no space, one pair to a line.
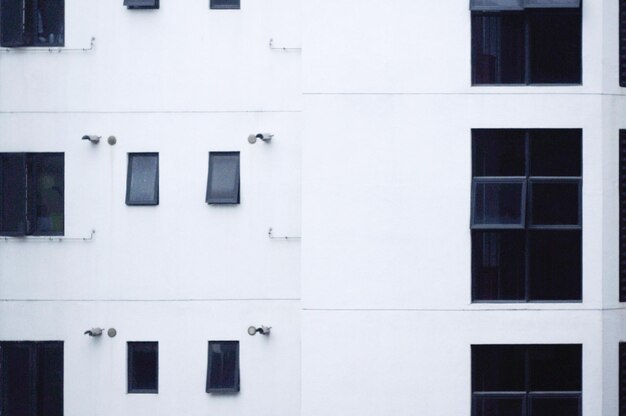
225,4
223,181
142,184
143,367
622,216
622,379
622,43
223,367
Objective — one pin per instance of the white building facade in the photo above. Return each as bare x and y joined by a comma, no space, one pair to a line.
355,236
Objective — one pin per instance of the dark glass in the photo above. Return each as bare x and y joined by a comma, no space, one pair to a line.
555,265
223,182
48,174
143,367
498,48
555,406
555,368
223,366
498,406
498,153
498,265
555,203
225,4
50,379
12,194
556,152
498,368
143,181
555,47
498,203
18,383
50,22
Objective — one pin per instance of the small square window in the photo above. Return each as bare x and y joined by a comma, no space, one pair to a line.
143,367
225,4
223,182
223,367
142,4
32,23
142,183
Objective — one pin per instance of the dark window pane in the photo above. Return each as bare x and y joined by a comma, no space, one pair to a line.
556,152
223,182
498,265
498,368
555,203
555,406
498,406
498,48
555,265
498,203
498,153
17,379
143,364
142,4
223,371
555,368
12,23
13,194
50,22
50,378
48,180
224,4
555,47
143,179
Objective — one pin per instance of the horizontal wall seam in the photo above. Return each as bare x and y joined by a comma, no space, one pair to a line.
469,93
463,310
156,300
151,112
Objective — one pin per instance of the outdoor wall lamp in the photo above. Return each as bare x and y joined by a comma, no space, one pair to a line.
266,137
94,332
92,138
263,330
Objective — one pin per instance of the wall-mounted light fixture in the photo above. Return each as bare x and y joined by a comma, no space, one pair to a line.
112,140
92,138
266,137
263,330
94,332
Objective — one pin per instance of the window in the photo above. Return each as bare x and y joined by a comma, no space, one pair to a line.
142,4
225,4
143,367
223,367
31,194
526,380
622,43
526,215
32,23
142,182
223,182
622,216
622,379
526,42
31,378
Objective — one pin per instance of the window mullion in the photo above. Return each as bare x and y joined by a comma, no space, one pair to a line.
527,78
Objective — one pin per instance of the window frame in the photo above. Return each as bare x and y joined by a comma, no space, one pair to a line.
233,200
236,377
529,228
129,176
214,6
29,33
526,14
130,369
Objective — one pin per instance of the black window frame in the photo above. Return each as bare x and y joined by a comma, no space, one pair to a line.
131,346
35,384
235,387
25,181
232,199
526,14
529,229
528,394
27,34
129,176
141,4
215,5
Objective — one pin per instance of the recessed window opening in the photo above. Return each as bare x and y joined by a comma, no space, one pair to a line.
223,181
223,367
225,4
143,367
142,183
32,23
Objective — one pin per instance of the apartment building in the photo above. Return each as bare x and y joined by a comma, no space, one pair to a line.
284,207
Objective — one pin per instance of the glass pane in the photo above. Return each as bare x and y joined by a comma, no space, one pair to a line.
50,378
555,47
498,203
498,153
223,184
555,265
498,265
498,49
50,22
143,179
18,380
231,4
498,406
555,203
223,365
556,152
144,366
555,406
498,368
12,193
555,367
49,174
